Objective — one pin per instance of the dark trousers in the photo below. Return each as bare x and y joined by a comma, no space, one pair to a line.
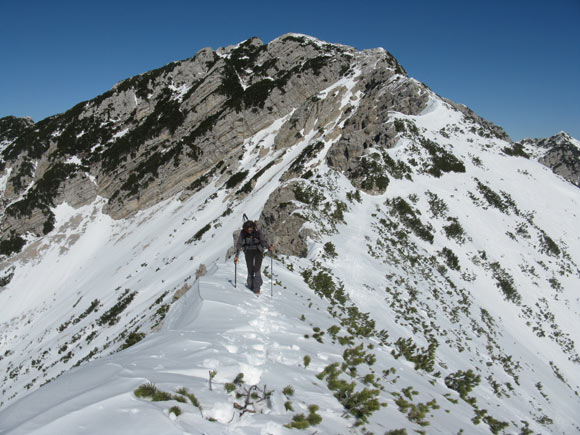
254,262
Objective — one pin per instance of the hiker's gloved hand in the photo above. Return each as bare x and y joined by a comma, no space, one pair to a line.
271,248
236,260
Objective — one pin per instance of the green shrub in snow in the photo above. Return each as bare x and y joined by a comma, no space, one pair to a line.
190,396
549,246
441,159
410,219
197,236
133,338
506,283
454,230
175,410
330,250
517,150
462,382
360,404
450,258
12,245
236,179
112,315
437,206
146,390
423,358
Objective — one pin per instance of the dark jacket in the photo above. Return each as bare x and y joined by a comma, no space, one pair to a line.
247,241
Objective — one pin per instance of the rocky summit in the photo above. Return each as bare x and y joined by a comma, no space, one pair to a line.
425,277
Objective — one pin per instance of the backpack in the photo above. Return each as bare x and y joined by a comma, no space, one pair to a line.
251,241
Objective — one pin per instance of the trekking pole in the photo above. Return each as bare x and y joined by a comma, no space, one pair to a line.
271,274
236,274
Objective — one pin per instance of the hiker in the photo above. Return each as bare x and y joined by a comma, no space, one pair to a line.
252,242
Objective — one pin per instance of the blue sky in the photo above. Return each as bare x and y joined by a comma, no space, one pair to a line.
516,63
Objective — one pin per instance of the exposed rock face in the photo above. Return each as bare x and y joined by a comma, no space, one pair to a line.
169,131
279,218
561,153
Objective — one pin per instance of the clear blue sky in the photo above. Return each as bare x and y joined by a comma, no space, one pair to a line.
514,62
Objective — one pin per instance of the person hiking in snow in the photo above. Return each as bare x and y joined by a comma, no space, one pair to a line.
253,243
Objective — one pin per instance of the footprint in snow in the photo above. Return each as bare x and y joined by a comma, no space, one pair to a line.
231,348
256,360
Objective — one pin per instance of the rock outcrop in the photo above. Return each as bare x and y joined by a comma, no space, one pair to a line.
560,153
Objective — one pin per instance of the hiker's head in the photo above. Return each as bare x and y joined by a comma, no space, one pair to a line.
249,226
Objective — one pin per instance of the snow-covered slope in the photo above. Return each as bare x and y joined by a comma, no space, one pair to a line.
436,290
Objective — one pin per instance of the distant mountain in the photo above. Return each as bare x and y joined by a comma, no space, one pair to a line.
561,153
426,266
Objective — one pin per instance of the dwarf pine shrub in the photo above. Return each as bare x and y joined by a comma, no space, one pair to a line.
12,245
197,236
236,179
495,426
416,413
437,206
400,126
409,218
161,396
360,404
330,250
146,390
307,154
462,382
112,315
517,150
133,338
307,195
454,230
424,359
441,160
299,421
354,196
506,283
8,275
190,396
372,173
175,410
314,418
451,260
549,246
492,198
